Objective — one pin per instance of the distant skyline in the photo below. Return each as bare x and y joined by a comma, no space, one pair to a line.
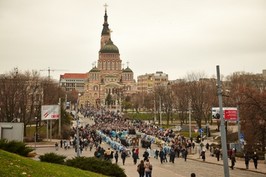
176,37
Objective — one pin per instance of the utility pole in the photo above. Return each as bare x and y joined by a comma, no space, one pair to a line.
239,129
60,117
160,110
189,116
222,126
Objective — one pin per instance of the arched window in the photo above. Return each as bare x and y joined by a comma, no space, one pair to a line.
95,88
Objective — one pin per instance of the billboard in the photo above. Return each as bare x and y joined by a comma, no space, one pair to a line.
50,112
229,113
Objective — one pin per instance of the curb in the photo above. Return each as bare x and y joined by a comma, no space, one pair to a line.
240,168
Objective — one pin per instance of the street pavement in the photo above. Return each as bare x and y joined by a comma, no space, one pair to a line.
210,168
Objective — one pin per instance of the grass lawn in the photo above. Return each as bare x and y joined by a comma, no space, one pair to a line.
15,165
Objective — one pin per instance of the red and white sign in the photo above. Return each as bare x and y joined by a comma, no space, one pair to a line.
229,113
50,112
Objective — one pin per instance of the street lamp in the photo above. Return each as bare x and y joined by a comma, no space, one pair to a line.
160,110
35,137
262,127
189,116
223,133
77,132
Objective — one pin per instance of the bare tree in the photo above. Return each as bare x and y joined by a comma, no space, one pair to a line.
201,92
248,91
22,94
181,102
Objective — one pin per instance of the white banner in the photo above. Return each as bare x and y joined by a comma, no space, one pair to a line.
50,112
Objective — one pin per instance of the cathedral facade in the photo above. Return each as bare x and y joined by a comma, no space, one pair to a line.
108,82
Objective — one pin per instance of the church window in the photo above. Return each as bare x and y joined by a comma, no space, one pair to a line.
95,88
108,65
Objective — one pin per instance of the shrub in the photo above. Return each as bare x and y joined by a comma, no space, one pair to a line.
96,165
16,147
3,143
52,158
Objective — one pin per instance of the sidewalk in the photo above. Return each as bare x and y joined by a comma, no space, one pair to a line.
240,163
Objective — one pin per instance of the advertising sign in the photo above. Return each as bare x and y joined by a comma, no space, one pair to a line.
229,113
50,112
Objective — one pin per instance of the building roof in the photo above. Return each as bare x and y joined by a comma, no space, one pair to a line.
74,76
94,70
109,47
127,70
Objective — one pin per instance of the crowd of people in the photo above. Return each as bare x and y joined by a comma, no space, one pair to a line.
124,137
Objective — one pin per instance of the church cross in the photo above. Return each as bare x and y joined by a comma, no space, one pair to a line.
105,5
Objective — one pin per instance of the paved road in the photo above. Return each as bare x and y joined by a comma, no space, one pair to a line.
210,168
179,169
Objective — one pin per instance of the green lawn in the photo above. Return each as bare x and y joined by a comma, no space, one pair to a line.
15,165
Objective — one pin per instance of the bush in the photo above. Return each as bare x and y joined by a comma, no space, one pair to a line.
96,165
52,158
16,147
3,143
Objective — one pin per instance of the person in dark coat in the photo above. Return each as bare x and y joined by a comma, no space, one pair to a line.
135,157
146,155
141,168
156,154
184,153
61,143
116,157
161,155
233,160
172,156
217,153
247,158
255,159
203,155
123,156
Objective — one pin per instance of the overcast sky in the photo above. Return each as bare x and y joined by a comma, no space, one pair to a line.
174,36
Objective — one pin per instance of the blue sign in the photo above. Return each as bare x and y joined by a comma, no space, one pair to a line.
241,136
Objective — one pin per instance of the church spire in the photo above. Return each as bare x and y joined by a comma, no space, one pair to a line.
106,30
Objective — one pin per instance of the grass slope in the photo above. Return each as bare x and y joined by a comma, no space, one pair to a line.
14,165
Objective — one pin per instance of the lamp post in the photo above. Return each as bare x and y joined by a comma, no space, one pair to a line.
77,132
36,128
223,133
189,117
262,127
160,110
154,111
239,129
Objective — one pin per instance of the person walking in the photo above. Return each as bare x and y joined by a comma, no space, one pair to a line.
184,154
217,153
145,155
233,160
135,157
148,168
156,154
161,155
141,168
203,155
123,156
116,157
247,158
172,155
255,159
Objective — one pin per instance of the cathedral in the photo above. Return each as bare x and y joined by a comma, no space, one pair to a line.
108,82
